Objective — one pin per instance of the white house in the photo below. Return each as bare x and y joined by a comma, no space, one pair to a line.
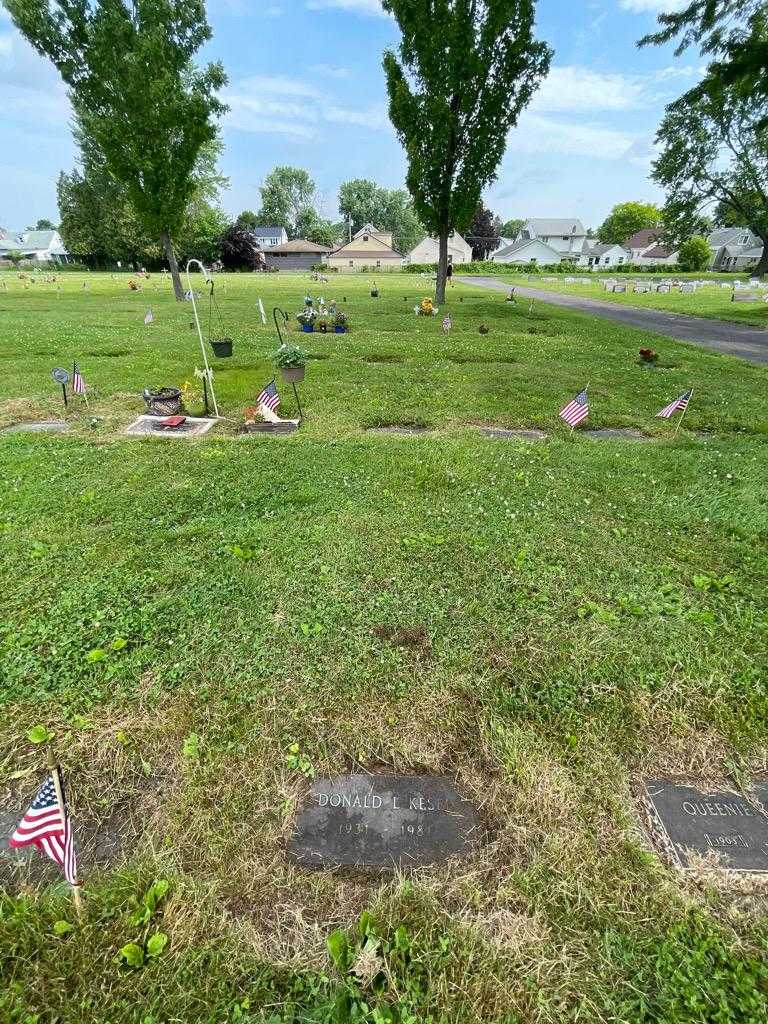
37,246
528,250
603,254
428,250
659,256
566,235
268,236
734,249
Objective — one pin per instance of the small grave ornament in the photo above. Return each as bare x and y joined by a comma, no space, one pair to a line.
61,376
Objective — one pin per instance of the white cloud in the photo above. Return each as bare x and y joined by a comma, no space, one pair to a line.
651,6
292,107
581,89
331,71
352,6
537,134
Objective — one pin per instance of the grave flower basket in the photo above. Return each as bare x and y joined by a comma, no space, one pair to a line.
163,401
340,323
307,319
648,357
222,347
291,361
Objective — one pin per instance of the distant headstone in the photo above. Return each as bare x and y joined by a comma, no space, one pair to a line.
744,295
687,287
383,822
684,818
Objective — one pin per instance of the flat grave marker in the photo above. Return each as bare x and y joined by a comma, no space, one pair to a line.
41,427
685,818
151,425
383,822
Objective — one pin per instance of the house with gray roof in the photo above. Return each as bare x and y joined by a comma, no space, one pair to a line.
269,236
37,246
734,249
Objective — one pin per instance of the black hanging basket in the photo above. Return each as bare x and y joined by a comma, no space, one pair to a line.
222,347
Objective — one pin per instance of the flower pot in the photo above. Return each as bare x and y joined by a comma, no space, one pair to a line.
307,328
222,347
163,402
292,374
339,330
374,293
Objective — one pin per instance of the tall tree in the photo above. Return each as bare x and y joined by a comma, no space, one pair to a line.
734,33
625,219
484,232
512,228
286,194
364,202
315,228
713,151
44,225
137,94
466,69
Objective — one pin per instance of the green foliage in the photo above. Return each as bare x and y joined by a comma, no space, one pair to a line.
40,734
511,228
462,77
287,194
712,151
625,219
149,903
364,202
316,228
289,357
149,130
14,256
734,33
695,254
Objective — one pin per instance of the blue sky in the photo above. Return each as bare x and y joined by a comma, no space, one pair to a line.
306,88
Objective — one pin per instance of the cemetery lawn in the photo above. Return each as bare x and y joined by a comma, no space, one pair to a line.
709,301
200,627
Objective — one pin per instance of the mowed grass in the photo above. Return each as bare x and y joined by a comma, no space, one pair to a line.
205,625
710,300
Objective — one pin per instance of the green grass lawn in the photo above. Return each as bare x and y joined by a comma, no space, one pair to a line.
206,624
708,301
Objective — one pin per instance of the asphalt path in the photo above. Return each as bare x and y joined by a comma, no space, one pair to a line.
746,342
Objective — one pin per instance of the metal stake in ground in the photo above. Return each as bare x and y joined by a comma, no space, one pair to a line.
298,403
61,376
207,277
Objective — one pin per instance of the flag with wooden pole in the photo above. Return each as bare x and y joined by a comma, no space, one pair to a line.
47,826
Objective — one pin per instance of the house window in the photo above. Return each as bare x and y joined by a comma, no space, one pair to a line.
351,263
566,237
621,259
450,259
365,238
378,263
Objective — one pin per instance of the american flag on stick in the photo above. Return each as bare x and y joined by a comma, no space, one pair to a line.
576,410
149,318
46,826
78,384
680,403
269,396
447,324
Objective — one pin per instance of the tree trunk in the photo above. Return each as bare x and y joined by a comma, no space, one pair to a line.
442,266
167,244
762,267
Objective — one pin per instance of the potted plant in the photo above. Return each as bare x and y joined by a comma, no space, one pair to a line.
340,322
648,357
375,291
322,326
291,361
307,319
163,401
222,347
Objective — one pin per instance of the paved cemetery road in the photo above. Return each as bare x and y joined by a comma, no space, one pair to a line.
746,342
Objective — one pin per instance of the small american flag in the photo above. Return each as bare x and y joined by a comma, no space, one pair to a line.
269,396
78,384
447,324
47,827
576,410
680,403
149,318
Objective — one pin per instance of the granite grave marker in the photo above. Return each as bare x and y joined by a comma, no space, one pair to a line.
383,822
684,818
